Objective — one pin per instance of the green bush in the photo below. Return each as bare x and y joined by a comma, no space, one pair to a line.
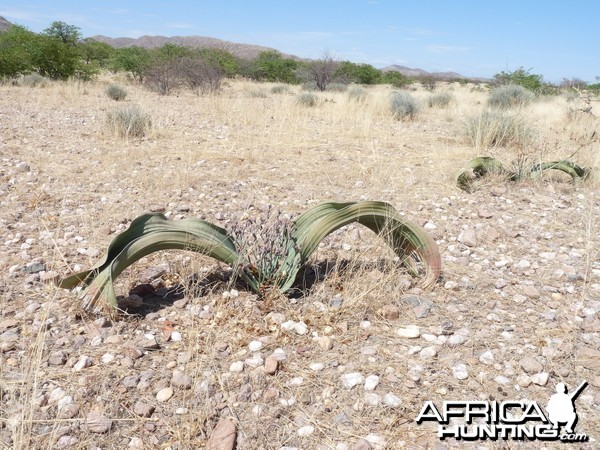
520,77
128,122
510,96
116,92
307,99
357,93
440,100
396,79
497,128
403,105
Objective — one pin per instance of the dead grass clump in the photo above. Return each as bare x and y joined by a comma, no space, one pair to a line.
509,96
32,80
116,92
357,94
128,122
307,99
495,128
403,105
280,89
440,100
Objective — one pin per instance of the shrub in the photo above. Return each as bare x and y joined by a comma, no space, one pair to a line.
116,92
128,122
403,105
258,94
520,77
357,94
33,80
440,100
307,99
509,96
310,86
336,87
280,89
495,128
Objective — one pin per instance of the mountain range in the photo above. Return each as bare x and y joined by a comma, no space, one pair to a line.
246,51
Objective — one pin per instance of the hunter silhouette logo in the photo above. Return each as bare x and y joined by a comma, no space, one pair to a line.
561,407
511,419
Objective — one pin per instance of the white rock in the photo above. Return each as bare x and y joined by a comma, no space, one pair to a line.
391,400
523,380
67,400
136,442
428,352
107,358
176,336
410,331
316,367
288,325
456,340
279,354
540,378
523,264
349,380
460,371
501,379
301,328
84,361
237,367
181,411
56,395
372,399
306,431
164,394
255,361
364,324
255,346
376,440
296,381
371,382
487,357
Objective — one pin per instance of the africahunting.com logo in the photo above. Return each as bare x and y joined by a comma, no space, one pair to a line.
515,420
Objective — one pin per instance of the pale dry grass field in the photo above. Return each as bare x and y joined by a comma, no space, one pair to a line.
521,270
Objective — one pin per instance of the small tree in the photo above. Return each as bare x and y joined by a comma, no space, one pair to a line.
16,46
68,34
134,60
199,74
272,66
349,72
521,77
322,71
396,79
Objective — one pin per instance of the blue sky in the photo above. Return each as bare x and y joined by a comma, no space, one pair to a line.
475,38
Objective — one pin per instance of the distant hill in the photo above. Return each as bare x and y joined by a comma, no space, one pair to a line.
4,24
246,51
409,72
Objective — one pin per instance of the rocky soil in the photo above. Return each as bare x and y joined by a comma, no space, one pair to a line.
345,364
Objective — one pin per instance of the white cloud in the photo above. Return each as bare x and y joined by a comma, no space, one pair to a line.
438,48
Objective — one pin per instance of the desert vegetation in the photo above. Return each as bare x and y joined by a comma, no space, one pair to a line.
350,353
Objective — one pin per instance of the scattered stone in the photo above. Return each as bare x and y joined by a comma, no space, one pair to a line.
237,367
255,346
271,365
325,342
57,358
531,291
362,444
371,382
306,430
97,422
410,331
523,380
531,365
223,437
541,379
143,409
460,372
456,339
300,328
176,336
83,362
66,441
316,367
164,394
468,237
390,312
372,399
181,380
487,357
428,352
501,379
392,400
349,380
